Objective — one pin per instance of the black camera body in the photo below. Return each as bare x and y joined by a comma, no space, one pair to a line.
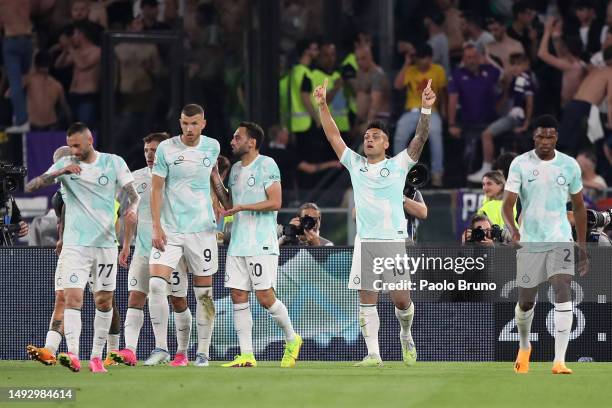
598,219
291,231
496,234
11,179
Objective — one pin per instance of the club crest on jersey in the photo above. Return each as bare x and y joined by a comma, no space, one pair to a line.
251,181
103,180
535,172
179,160
384,172
141,188
561,180
206,162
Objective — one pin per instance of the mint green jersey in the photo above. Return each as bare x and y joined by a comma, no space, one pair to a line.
544,187
378,191
187,204
144,230
89,198
253,232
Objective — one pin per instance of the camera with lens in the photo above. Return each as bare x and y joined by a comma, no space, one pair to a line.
495,234
291,231
11,179
597,221
417,177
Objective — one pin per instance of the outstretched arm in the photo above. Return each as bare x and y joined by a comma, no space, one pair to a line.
327,121
48,179
428,98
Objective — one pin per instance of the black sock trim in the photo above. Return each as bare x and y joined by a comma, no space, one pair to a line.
367,305
74,308
58,332
137,308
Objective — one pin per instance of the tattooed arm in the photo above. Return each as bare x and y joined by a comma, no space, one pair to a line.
133,199
415,148
48,179
221,192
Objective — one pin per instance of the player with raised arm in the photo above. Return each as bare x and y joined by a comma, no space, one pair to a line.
252,256
183,226
544,178
90,182
378,183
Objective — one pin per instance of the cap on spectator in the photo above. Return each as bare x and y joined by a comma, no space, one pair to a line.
423,51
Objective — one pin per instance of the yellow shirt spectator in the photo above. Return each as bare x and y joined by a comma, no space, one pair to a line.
416,80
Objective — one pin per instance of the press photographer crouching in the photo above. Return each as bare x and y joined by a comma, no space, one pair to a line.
11,224
303,230
482,232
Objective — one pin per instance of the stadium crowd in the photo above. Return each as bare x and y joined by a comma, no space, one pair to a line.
495,68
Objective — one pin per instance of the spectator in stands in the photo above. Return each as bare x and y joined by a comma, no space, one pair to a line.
472,30
438,40
413,77
587,27
349,68
567,59
150,12
522,28
583,108
97,13
45,93
452,27
593,183
311,236
84,56
304,120
503,46
17,54
517,120
597,60
472,86
79,11
373,89
285,157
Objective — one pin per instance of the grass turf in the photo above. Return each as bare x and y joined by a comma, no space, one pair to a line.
319,384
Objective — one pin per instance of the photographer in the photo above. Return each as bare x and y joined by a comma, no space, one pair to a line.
11,223
482,232
303,230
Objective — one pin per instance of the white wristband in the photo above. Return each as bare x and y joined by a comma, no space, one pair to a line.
426,111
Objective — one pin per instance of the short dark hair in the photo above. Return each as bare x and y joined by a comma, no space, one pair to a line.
378,124
573,43
472,18
436,17
495,19
254,131
503,161
192,109
582,4
520,7
89,30
518,58
156,137
42,59
302,45
545,121
76,127
423,50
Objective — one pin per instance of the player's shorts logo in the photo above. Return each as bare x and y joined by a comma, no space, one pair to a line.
103,180
156,255
525,279
561,180
179,160
133,282
206,162
59,281
74,278
226,279
251,181
356,280
384,172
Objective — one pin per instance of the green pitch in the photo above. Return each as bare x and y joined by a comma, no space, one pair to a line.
320,384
